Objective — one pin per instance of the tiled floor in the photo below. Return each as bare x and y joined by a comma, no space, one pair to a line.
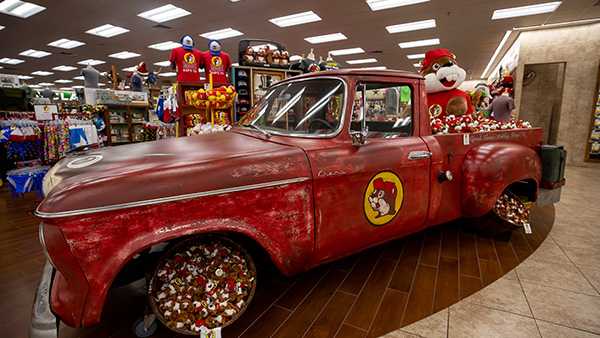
553,293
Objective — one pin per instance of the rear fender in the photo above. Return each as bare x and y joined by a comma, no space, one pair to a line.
490,168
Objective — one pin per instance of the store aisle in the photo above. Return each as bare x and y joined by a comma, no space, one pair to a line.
553,293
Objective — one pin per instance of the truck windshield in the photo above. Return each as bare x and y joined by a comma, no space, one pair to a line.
309,107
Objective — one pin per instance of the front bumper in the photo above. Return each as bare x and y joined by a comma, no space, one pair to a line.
44,323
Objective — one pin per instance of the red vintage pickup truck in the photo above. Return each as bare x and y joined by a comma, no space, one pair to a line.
325,165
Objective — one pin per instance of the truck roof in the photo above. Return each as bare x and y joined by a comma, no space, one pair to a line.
361,72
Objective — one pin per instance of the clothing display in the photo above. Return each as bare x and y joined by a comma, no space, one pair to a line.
26,179
217,65
56,140
188,63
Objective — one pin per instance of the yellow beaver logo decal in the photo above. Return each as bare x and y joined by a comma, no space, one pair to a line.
383,198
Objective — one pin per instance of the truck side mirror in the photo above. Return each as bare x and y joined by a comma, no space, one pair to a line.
359,137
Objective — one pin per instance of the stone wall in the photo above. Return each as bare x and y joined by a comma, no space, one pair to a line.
579,47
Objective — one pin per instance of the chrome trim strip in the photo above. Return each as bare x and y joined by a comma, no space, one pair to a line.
43,322
167,199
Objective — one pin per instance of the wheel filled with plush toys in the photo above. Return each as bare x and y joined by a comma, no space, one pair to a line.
204,282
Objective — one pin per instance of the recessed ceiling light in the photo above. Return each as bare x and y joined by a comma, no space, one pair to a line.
221,34
78,86
21,9
91,62
411,26
66,43
347,51
295,19
64,68
419,43
10,61
107,31
377,5
63,81
357,62
34,86
374,68
326,38
525,10
129,69
66,88
80,77
124,55
164,13
168,74
32,53
163,63
45,84
167,45
101,84
41,73
25,77
415,56
2,27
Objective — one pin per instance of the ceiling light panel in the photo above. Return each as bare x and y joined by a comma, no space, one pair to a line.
63,81
129,69
76,87
45,84
167,45
64,68
66,88
295,19
347,51
107,31
221,34
101,84
417,65
66,43
163,63
419,43
2,27
377,5
124,55
10,61
91,62
411,26
25,77
32,53
525,10
361,61
41,73
168,74
415,56
326,38
164,13
21,9
80,77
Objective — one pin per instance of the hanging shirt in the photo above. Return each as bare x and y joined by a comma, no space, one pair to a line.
188,63
218,66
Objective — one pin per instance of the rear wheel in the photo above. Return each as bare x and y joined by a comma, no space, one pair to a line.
204,281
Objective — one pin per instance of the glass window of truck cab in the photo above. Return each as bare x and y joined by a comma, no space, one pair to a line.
387,108
312,107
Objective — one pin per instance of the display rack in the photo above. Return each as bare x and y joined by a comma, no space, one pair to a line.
592,152
251,84
125,122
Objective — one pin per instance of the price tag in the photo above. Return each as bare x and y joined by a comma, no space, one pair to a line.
527,228
466,139
210,333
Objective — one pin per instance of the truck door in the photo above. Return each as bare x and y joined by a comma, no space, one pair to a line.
370,193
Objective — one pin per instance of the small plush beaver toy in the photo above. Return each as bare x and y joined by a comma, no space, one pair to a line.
442,78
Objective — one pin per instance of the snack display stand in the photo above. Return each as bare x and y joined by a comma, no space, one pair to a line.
125,122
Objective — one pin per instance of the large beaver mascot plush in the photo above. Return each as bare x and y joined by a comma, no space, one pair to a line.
442,78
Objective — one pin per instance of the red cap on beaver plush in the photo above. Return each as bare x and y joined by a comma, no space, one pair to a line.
388,187
435,54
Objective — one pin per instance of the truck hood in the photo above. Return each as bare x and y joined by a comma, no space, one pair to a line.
166,170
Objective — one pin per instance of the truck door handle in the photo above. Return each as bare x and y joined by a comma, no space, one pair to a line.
417,155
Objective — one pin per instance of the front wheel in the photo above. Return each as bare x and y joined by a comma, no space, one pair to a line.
204,281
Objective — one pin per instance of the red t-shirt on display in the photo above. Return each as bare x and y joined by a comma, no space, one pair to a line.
218,66
438,102
188,63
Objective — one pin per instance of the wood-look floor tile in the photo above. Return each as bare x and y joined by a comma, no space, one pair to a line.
361,271
347,331
407,265
447,290
420,299
301,287
366,305
450,241
332,316
389,315
431,248
468,256
310,308
469,285
266,325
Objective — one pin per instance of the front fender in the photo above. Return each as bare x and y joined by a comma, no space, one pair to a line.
490,168
280,219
